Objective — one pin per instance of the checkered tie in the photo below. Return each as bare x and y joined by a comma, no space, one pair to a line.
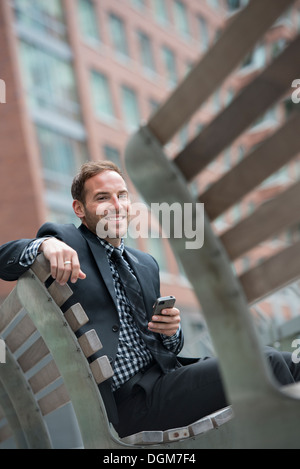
166,359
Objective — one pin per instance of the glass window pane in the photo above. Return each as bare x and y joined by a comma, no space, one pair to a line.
161,11
130,107
88,19
146,54
170,65
112,154
118,34
101,96
203,33
49,81
180,18
157,248
42,15
61,158
140,4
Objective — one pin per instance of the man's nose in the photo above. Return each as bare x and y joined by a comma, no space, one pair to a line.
116,202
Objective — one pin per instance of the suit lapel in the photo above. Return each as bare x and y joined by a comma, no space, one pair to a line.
101,260
142,274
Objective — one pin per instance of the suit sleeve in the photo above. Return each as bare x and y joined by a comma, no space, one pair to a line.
10,255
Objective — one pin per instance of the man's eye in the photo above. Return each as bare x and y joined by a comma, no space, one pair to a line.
123,196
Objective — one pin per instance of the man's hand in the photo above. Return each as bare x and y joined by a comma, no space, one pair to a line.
166,323
63,260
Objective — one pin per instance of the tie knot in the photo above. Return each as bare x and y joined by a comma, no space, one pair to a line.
116,254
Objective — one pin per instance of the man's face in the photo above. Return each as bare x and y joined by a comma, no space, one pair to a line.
106,206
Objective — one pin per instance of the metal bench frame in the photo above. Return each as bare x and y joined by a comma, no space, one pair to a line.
265,416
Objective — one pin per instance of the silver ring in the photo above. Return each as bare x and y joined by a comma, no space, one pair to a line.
67,262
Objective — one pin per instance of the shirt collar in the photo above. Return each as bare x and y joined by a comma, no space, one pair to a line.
109,248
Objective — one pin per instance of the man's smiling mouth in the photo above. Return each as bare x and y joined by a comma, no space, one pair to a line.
115,218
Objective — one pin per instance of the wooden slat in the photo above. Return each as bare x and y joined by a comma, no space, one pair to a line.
9,309
274,273
222,416
33,355
41,268
101,369
60,293
254,99
73,366
21,332
175,434
76,317
54,400
243,32
90,343
269,157
47,375
144,438
270,218
201,426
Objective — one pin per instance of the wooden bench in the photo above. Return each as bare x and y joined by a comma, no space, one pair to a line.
43,353
266,416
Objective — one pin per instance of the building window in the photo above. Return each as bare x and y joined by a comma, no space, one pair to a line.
170,65
236,4
227,158
140,4
183,135
156,246
146,53
203,33
101,96
290,107
154,105
131,114
256,58
181,18
112,154
278,46
61,159
88,20
213,4
49,81
42,16
118,35
161,11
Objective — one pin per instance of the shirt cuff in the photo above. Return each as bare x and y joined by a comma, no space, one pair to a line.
30,253
173,341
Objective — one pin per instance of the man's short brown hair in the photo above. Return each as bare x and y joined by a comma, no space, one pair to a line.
87,171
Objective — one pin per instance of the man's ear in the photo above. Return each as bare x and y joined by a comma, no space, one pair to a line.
78,208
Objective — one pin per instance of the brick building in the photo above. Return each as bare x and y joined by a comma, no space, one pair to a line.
81,75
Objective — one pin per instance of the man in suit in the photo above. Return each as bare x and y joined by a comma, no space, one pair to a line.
152,388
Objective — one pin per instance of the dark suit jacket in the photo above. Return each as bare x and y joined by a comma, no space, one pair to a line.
95,293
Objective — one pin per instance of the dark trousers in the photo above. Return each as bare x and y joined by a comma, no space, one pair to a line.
187,394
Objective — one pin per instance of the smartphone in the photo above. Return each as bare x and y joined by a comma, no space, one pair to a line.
163,302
